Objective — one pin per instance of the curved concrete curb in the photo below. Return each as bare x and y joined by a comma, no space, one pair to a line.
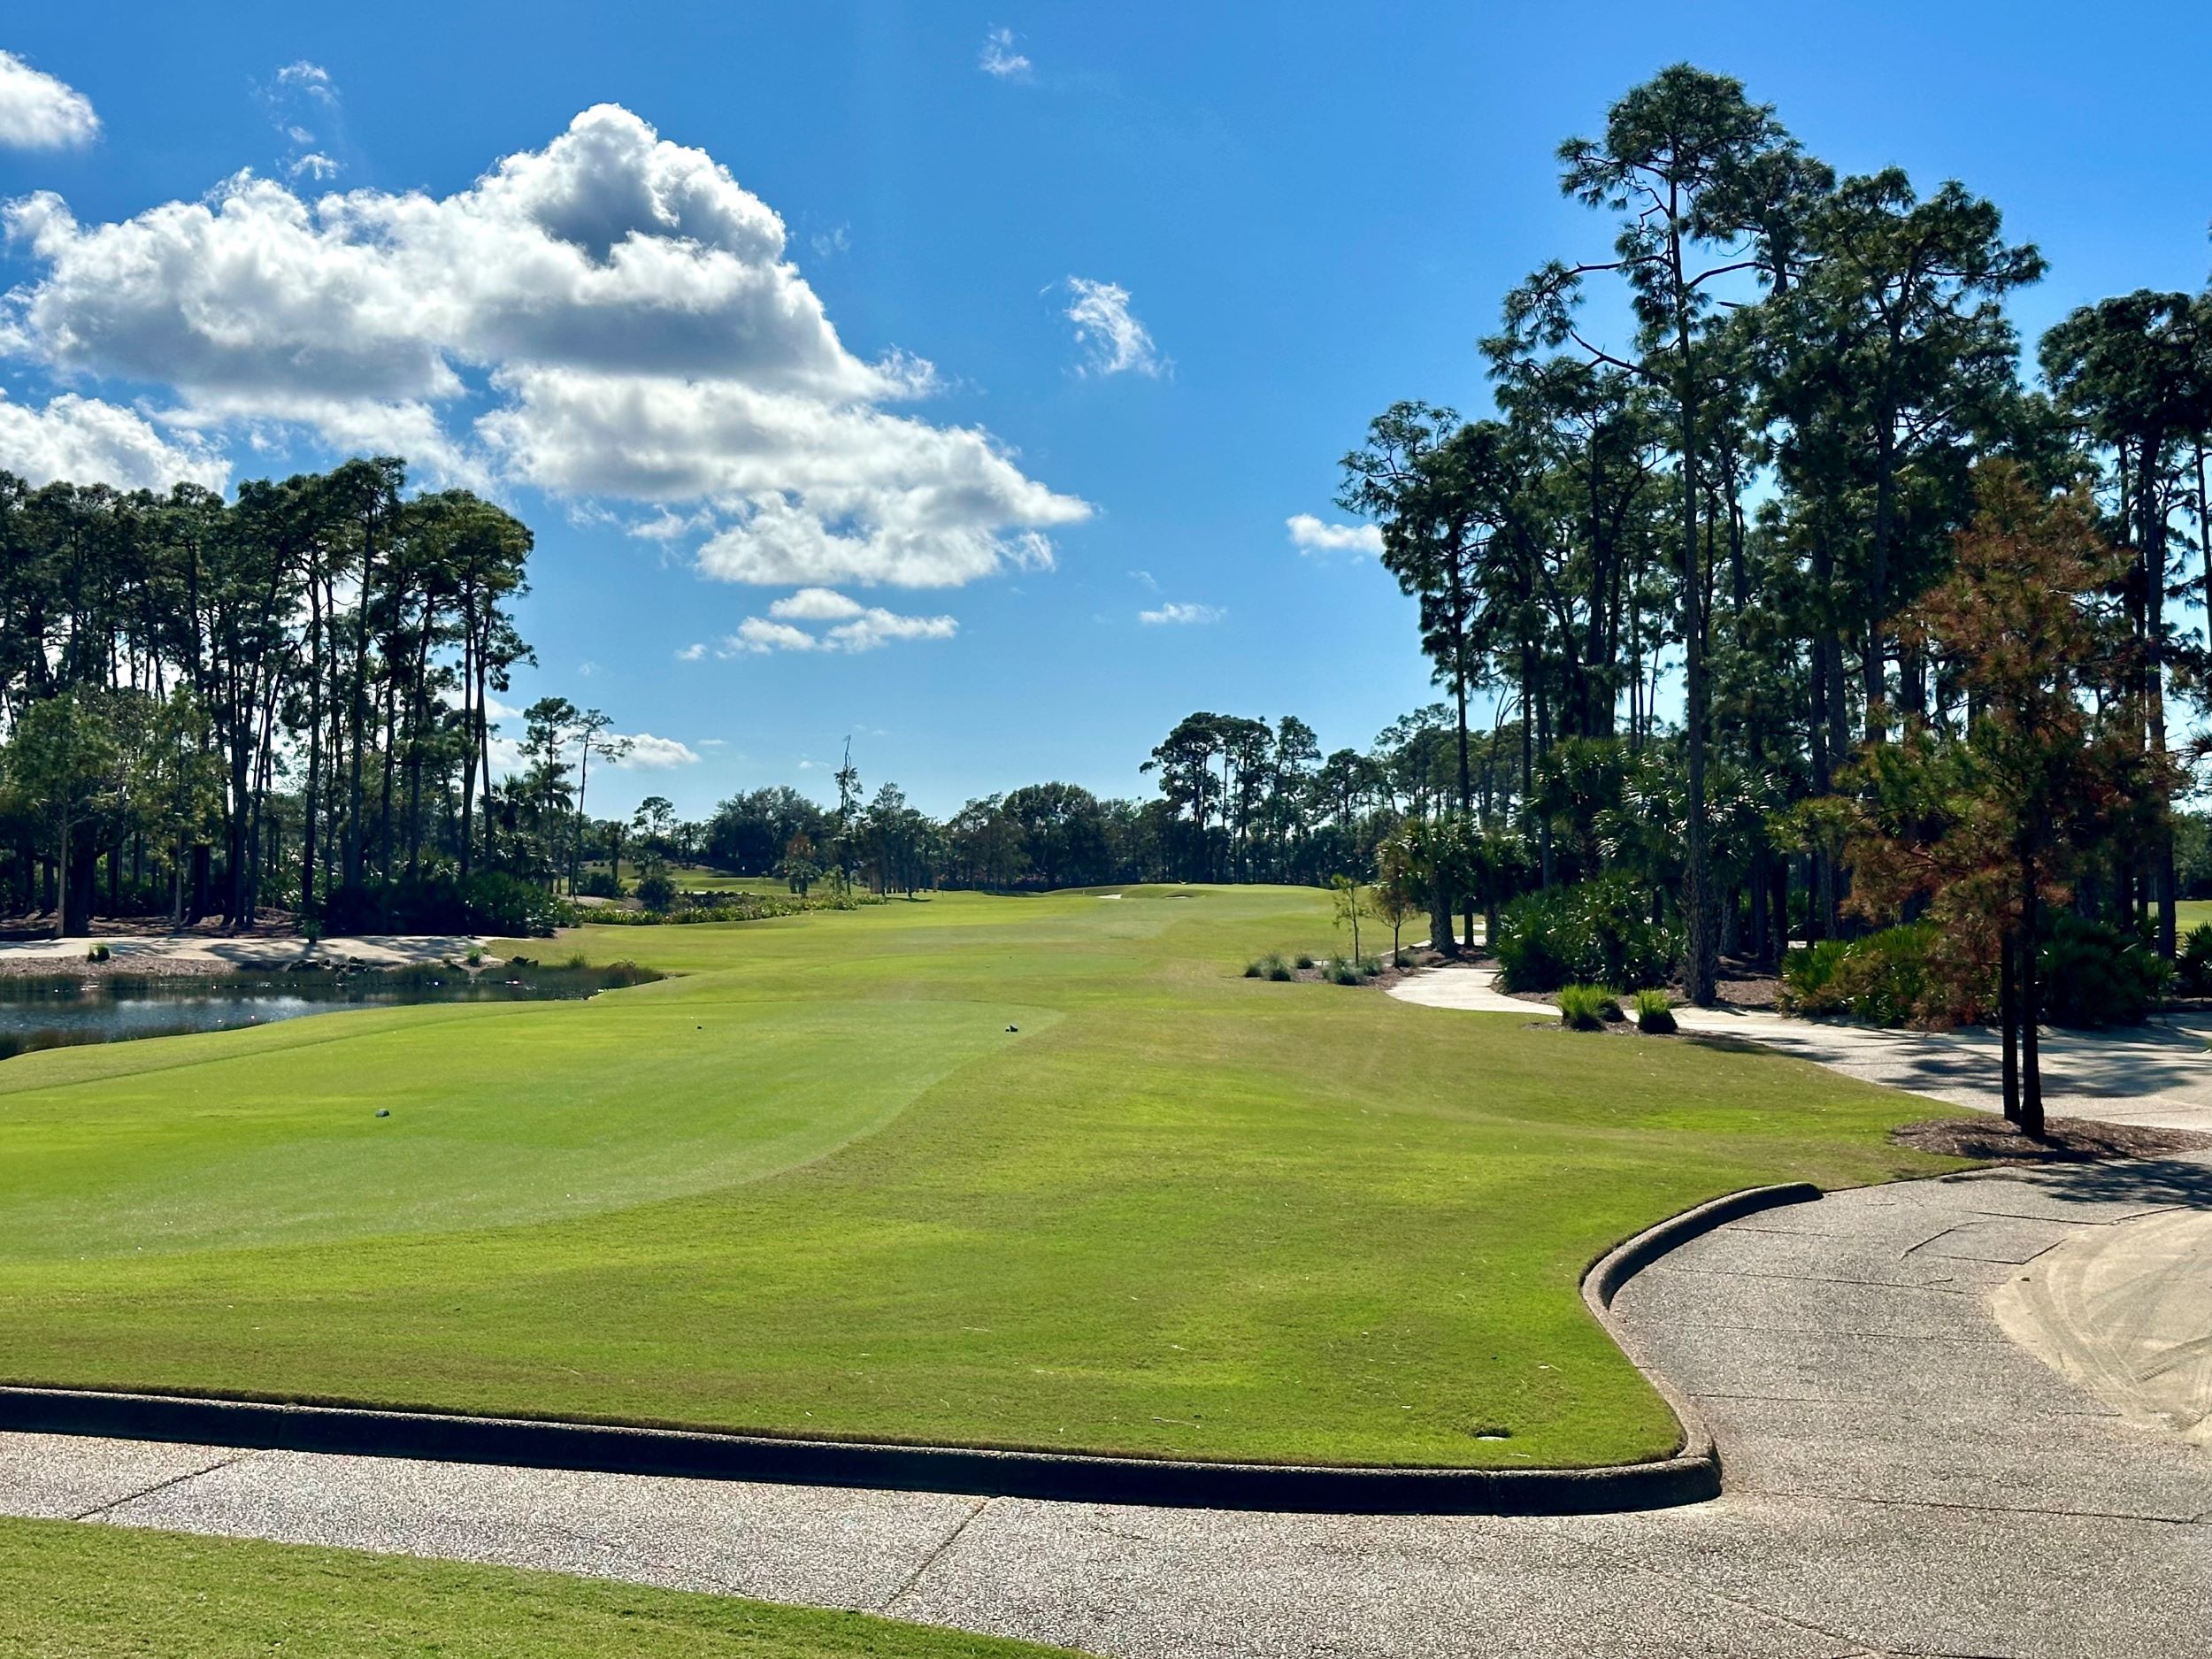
1691,1476
1699,1458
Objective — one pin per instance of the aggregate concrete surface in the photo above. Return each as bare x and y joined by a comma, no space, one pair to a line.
1902,1478
2157,1075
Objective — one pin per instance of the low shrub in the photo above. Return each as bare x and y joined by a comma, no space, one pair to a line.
1808,975
1582,1007
1883,979
1304,961
1593,933
98,953
1273,966
2096,974
2090,973
1343,972
656,892
1654,1013
2194,970
439,901
735,907
1255,968
599,884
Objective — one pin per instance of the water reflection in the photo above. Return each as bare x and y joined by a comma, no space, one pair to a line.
60,1010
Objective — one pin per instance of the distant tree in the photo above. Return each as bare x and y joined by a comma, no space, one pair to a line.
590,727
62,766
798,867
654,822
1352,903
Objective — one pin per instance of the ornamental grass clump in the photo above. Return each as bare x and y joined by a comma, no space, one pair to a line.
1654,1013
1343,972
1582,1007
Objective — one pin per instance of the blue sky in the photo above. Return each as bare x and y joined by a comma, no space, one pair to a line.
1309,211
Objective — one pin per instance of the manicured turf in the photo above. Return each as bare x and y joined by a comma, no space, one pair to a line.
815,1187
70,1590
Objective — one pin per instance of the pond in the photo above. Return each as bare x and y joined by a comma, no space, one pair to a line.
60,1010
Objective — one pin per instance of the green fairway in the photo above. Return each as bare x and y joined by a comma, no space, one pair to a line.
814,1185
78,1592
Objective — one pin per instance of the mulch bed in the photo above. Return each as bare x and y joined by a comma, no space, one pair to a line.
2066,1141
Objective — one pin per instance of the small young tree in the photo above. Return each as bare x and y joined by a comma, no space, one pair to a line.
1402,892
1991,826
1352,904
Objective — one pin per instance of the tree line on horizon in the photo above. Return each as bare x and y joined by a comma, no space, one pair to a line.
278,702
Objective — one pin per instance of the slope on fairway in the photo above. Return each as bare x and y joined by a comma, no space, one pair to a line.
815,1186
73,1590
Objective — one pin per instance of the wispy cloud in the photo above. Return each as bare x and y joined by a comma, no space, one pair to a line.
1112,340
1173,614
301,103
1309,534
999,56
691,653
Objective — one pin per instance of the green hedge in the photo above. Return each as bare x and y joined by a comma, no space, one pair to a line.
743,907
1593,933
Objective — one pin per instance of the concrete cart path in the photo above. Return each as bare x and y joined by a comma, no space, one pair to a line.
1902,1477
2158,1075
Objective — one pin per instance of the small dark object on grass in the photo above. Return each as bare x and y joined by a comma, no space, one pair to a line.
384,1111
1013,1028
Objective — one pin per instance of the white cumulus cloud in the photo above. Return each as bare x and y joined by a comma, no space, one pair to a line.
1309,534
857,628
815,605
628,312
691,653
1112,340
999,57
88,442
648,753
1175,614
39,113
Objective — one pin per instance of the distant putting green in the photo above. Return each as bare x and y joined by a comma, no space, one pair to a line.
77,1592
815,1186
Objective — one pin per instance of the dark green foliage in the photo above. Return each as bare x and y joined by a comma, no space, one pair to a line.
1654,1013
2092,973
598,884
1808,974
2195,966
656,891
1598,932
2095,974
489,901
